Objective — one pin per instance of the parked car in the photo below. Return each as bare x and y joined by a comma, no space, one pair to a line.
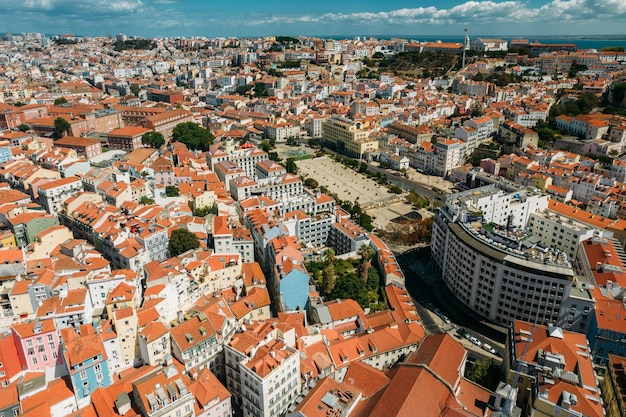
445,319
475,341
437,311
489,349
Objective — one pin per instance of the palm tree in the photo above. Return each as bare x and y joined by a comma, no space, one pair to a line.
329,256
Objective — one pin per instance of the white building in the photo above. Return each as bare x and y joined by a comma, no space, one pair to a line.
263,372
555,230
450,154
492,264
52,194
488,45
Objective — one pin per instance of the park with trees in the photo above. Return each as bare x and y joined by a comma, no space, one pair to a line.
354,278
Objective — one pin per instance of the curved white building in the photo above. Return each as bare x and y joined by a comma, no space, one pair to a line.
502,285
493,264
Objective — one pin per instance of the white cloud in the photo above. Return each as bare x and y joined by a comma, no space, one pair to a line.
486,11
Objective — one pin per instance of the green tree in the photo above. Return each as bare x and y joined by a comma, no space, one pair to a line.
365,221
153,139
476,110
260,91
134,89
206,210
586,102
373,278
273,156
417,200
351,286
266,146
181,241
23,127
329,256
612,49
61,127
193,136
172,191
618,91
60,100
311,183
291,166
146,200
243,89
478,371
329,278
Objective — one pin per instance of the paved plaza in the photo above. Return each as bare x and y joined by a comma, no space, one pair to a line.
345,182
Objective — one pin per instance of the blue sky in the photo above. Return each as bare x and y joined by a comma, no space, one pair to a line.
318,17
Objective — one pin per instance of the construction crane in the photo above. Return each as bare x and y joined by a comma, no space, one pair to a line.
506,408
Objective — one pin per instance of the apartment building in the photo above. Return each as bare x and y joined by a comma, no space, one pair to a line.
348,137
262,373
126,138
614,386
162,393
165,122
87,364
449,155
53,194
195,344
553,370
85,147
487,261
38,346
553,229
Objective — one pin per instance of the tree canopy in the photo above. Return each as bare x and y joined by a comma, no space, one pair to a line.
172,191
291,166
61,127
60,100
153,139
193,136
181,241
351,286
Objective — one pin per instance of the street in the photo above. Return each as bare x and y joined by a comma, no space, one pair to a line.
430,293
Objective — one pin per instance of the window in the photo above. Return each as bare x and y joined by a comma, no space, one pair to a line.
98,367
99,377
83,375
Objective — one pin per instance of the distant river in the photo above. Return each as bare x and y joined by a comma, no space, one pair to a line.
581,41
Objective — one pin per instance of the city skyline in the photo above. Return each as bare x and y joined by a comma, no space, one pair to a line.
170,18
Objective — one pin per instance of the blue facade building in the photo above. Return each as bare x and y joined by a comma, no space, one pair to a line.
294,290
5,155
87,364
